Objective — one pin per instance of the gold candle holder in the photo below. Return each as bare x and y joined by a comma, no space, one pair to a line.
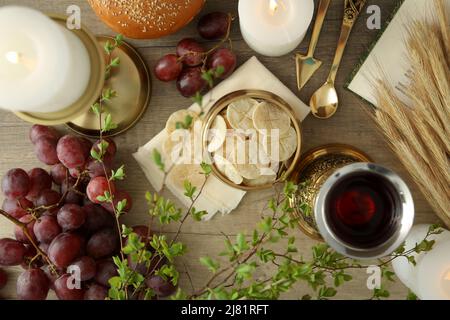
131,80
314,168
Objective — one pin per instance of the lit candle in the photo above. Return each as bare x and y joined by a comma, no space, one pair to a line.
405,271
275,27
44,67
433,274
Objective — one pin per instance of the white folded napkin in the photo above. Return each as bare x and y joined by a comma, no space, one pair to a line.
218,196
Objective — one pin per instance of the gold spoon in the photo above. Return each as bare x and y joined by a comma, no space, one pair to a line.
324,101
307,65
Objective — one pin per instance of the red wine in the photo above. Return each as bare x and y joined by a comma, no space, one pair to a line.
361,210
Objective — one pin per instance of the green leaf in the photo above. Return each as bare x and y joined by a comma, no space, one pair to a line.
206,168
411,296
157,159
189,189
119,174
266,224
208,76
186,124
241,243
211,264
108,124
115,62
198,215
327,292
121,205
198,98
218,71
96,109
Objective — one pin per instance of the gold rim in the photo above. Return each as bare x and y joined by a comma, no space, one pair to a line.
133,82
308,159
92,92
222,104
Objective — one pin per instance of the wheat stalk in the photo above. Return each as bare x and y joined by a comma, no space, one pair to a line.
419,134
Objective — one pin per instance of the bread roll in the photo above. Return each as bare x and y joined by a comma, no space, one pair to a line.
146,19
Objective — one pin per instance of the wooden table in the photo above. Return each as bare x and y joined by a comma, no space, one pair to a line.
351,125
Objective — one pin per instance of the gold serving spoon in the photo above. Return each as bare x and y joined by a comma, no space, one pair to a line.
324,101
307,65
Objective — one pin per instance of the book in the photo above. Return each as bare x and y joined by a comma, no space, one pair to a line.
388,53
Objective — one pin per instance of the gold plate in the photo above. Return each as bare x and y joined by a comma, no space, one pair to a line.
132,82
286,167
314,168
93,89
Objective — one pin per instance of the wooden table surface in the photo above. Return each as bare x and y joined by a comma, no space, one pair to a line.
350,125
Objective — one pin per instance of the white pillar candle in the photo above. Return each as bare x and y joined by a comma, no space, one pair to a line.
405,271
275,27
433,274
44,67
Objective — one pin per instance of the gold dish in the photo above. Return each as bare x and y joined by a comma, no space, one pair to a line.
313,169
286,167
132,82
93,90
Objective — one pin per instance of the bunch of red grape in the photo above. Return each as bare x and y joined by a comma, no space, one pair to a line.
60,216
192,61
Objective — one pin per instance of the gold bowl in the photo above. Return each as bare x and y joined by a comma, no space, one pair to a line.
286,168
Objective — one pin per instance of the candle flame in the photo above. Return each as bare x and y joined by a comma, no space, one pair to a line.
13,57
273,5
447,276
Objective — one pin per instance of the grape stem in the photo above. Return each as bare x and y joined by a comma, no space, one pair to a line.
24,227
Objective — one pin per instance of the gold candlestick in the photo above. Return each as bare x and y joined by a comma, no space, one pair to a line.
131,80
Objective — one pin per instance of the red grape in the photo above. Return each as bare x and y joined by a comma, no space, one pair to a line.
88,267
190,52
119,196
49,198
58,173
106,269
51,276
18,232
97,187
32,284
16,184
71,217
44,246
3,279
64,249
37,131
71,151
46,229
168,68
96,292
30,260
65,288
87,145
74,195
45,150
225,58
17,208
12,252
161,287
190,82
103,243
96,218
214,25
39,180
95,168
110,150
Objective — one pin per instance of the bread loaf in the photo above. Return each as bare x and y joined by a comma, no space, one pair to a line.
146,19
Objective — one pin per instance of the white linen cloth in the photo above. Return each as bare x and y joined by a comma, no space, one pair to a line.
217,196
